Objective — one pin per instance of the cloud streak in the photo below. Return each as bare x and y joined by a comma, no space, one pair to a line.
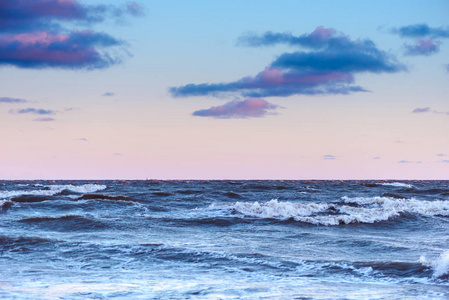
31,110
428,110
249,108
421,30
12,100
33,34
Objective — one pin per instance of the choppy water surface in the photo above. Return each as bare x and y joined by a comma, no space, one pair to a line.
224,239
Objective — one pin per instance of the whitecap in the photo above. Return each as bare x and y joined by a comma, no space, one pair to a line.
440,266
398,184
367,210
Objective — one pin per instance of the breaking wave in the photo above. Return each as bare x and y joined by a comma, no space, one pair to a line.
349,210
439,266
398,184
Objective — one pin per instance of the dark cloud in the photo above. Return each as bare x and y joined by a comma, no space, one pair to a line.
422,30
34,34
12,100
421,110
36,111
75,50
249,108
327,68
333,52
423,47
31,15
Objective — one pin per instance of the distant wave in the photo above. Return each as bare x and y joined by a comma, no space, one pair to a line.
397,184
52,190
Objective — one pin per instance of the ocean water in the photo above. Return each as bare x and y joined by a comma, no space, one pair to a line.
224,239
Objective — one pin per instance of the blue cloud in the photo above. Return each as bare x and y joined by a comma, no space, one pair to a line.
36,111
421,110
421,30
328,69
12,100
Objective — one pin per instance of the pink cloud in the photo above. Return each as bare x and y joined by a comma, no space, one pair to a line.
248,108
321,33
423,47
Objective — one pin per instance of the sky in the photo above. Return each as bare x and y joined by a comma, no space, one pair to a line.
318,89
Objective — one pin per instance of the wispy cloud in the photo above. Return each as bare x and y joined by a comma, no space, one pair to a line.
441,154
108,94
409,162
377,157
82,139
428,110
423,47
44,119
33,36
31,110
12,100
329,157
420,110
327,67
445,161
249,108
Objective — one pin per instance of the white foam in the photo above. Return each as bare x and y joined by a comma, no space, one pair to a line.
281,210
368,210
55,189
398,184
439,266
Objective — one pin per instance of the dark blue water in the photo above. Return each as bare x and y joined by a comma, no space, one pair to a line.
224,239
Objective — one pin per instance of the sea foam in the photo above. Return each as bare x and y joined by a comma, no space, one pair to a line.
439,266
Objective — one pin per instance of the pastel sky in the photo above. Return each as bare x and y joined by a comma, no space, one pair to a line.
288,89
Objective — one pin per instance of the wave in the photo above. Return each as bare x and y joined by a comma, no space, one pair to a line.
5,204
66,222
439,266
350,210
398,184
105,197
52,190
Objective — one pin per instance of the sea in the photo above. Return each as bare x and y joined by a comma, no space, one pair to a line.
226,239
